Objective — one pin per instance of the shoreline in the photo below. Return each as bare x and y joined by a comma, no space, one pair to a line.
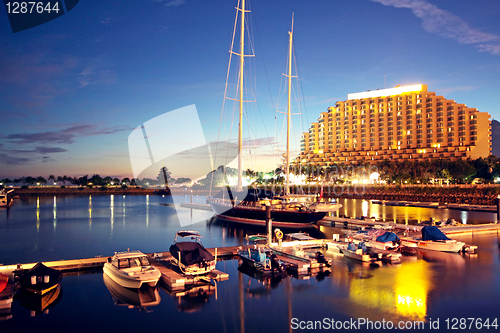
474,195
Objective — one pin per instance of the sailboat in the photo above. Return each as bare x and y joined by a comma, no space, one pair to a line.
249,207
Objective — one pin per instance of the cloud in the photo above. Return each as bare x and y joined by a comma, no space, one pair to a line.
171,3
446,24
10,160
258,143
64,136
175,3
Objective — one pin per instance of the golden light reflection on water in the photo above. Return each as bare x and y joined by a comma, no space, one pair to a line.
401,290
90,211
402,214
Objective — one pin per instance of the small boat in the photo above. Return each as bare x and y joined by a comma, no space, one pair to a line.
379,239
434,239
298,236
190,255
138,298
131,269
388,256
40,279
38,303
350,251
261,259
6,296
4,197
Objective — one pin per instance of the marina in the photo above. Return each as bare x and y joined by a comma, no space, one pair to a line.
113,223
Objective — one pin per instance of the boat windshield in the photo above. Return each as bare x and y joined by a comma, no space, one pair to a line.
133,262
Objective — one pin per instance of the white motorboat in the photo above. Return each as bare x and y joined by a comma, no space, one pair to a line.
131,269
434,239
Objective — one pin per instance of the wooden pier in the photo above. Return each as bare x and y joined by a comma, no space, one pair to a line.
98,262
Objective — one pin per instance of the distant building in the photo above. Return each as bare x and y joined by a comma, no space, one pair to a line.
401,123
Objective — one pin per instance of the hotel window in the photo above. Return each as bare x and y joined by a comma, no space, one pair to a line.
461,133
439,140
408,102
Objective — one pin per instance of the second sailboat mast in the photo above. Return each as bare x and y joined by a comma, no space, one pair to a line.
289,111
240,127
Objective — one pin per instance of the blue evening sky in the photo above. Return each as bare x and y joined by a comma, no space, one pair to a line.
73,89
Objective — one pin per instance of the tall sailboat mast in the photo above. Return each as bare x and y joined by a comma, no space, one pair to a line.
240,126
289,111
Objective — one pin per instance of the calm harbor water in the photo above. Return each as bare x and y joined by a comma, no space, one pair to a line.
432,286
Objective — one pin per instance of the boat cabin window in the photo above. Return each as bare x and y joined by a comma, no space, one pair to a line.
123,263
144,261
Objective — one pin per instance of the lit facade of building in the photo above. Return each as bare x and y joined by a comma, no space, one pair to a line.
396,124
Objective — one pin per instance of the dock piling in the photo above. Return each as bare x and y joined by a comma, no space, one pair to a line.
497,202
269,225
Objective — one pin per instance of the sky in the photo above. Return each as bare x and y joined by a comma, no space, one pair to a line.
72,90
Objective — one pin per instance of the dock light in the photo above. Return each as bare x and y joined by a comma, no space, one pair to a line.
112,183
37,184
1,183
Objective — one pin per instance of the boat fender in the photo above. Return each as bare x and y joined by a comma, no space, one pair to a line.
350,239
333,224
278,233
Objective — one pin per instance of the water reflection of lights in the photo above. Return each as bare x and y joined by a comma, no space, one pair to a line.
412,286
365,208
54,209
90,211
37,214
400,290
147,210
463,216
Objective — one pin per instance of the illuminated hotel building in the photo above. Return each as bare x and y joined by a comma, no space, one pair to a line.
402,123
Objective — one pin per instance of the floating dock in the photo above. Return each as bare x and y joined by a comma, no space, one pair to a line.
463,229
175,280
98,262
